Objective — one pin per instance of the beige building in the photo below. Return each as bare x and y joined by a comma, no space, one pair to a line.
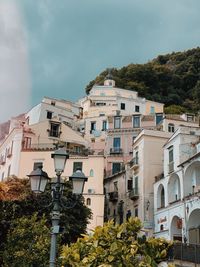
28,146
130,192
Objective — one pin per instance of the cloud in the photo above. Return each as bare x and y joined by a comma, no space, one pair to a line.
14,68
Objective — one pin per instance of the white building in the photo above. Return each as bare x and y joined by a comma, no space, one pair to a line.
176,193
49,108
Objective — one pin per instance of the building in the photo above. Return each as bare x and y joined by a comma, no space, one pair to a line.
131,189
49,108
176,193
28,146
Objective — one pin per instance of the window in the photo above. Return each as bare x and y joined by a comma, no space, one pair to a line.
117,122
152,110
159,117
2,176
136,212
116,144
171,154
88,201
104,126
49,115
136,184
137,108
91,172
170,127
130,184
122,106
116,167
100,104
171,159
27,143
92,126
77,166
54,130
53,103
37,165
9,167
136,121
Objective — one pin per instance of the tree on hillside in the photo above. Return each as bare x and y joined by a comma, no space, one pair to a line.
17,200
116,245
173,77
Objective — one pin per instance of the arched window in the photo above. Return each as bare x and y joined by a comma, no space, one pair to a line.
88,201
91,172
161,227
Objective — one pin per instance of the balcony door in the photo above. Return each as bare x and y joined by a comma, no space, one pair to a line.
116,144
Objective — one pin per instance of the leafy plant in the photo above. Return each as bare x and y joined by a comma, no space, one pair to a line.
116,245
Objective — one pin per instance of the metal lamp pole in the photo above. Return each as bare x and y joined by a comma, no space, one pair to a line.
55,219
39,178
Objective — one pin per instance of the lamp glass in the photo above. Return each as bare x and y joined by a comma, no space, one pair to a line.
60,156
78,185
38,183
78,179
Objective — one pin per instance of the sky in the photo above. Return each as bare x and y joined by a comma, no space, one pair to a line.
55,48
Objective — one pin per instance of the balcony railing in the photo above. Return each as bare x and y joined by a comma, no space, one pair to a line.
113,196
134,163
114,172
52,147
116,150
134,193
171,167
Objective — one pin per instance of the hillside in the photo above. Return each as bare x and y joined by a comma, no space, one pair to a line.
173,79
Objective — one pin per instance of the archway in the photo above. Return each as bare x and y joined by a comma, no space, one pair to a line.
174,192
176,228
161,197
193,227
191,181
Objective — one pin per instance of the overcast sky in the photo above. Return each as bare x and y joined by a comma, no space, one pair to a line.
67,43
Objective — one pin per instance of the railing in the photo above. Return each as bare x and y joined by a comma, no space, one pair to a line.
113,196
134,162
113,172
52,147
134,193
116,150
187,252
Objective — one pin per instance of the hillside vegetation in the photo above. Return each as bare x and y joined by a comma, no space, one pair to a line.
172,79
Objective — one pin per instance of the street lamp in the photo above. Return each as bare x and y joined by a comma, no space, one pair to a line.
39,180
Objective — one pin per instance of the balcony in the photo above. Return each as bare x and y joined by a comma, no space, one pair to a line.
171,167
134,194
134,163
113,196
116,150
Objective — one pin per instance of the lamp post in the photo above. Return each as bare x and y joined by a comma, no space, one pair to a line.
39,179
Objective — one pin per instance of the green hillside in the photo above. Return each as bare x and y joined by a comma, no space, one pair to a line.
173,79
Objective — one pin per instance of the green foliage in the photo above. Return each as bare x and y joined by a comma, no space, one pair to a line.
172,79
17,200
116,245
27,243
174,109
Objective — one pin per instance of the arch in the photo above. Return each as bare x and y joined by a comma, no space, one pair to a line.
174,188
91,172
176,228
191,181
193,227
160,197
88,201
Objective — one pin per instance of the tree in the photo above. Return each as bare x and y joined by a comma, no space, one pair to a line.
28,243
17,200
116,245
